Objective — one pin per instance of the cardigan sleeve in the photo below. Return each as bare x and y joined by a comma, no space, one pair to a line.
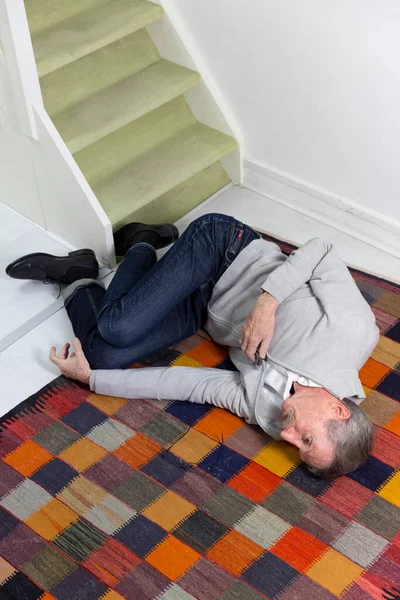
297,269
203,386
318,264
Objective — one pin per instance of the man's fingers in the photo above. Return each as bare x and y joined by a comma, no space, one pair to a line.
264,348
64,351
251,348
53,354
77,345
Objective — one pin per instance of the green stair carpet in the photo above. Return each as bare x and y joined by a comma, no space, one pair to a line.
120,108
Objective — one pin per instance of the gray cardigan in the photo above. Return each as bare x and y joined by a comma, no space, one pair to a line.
324,330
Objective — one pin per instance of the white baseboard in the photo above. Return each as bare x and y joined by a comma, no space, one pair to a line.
363,224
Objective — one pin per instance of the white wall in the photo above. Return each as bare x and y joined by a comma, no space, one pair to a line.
314,87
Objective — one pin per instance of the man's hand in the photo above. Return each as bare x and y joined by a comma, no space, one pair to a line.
258,329
74,366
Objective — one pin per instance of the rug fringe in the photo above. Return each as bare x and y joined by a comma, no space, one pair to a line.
36,403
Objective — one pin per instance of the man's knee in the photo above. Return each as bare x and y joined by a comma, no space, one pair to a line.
207,218
100,358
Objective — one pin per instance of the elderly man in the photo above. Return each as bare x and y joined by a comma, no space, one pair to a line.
297,328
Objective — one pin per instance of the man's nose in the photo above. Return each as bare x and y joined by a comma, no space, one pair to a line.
290,435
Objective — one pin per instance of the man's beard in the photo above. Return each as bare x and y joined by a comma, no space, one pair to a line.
286,421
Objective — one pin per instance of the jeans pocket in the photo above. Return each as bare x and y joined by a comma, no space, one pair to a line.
235,243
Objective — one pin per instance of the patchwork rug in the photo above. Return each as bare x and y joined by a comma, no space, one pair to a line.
111,498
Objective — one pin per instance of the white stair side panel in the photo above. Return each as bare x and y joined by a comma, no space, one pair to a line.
18,187
17,48
70,207
7,103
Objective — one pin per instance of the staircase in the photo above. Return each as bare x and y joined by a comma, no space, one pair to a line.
121,110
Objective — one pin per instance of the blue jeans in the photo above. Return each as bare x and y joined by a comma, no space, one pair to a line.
149,306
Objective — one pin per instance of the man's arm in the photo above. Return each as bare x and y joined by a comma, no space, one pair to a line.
258,329
319,264
298,269
202,386
315,262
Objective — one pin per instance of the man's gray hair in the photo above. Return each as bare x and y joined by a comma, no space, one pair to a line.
353,439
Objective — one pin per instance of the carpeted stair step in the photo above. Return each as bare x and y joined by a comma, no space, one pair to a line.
125,101
80,34
97,71
44,14
165,167
101,160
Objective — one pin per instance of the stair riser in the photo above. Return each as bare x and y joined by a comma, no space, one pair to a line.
118,150
97,71
179,201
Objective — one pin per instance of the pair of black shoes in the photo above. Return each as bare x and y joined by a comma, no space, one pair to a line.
82,263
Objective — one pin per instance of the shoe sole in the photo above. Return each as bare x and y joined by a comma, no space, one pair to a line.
59,258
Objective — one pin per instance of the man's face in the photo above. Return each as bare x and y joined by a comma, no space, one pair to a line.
303,424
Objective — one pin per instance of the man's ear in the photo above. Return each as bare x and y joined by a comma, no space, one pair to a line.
340,410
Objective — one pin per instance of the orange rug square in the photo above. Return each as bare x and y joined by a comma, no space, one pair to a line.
169,510
255,482
138,450
51,519
28,458
219,424
208,354
373,372
83,454
234,552
299,549
172,558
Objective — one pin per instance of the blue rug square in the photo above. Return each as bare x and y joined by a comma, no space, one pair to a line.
188,412
226,365
223,463
390,386
270,575
302,478
84,418
394,333
372,474
20,587
166,468
80,585
54,475
141,535
7,523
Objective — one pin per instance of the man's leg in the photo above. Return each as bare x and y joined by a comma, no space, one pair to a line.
145,311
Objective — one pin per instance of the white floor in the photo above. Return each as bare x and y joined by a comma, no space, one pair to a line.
32,318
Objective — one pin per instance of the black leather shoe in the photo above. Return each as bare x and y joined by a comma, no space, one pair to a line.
61,269
157,236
